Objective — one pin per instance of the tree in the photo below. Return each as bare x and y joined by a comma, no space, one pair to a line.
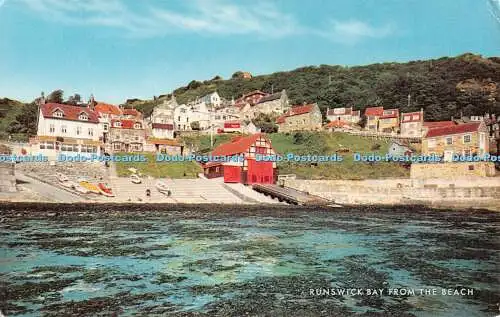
238,74
26,121
57,96
265,123
74,100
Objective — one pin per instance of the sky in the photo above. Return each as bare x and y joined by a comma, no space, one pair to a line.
119,49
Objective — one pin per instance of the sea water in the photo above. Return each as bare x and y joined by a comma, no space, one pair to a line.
293,264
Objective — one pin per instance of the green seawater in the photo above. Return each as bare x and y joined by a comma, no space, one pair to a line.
232,264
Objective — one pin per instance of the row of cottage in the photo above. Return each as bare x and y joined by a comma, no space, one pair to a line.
100,127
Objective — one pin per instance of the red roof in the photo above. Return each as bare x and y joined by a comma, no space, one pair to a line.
337,124
102,107
126,123
438,124
164,126
390,113
297,110
374,111
456,129
131,112
237,145
411,117
280,119
69,112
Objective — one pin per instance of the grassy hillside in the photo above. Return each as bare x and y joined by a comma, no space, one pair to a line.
435,85
9,109
324,143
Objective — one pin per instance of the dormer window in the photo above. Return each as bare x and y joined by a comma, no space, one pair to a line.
58,113
137,126
83,116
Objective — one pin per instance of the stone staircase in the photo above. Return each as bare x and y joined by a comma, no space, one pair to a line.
192,191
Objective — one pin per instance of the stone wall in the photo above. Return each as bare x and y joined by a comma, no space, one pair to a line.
7,177
452,170
472,191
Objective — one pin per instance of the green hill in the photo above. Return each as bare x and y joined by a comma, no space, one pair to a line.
435,85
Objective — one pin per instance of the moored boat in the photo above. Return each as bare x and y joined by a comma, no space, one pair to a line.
62,178
135,179
163,188
80,189
105,190
90,187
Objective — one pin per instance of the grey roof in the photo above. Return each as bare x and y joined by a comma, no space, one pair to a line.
270,97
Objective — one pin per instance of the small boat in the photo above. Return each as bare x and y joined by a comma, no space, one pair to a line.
135,179
80,189
163,188
105,190
68,184
90,187
62,178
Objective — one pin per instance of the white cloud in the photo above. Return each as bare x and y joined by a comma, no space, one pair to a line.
353,31
207,17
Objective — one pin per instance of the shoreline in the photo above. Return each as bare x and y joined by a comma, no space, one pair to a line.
52,209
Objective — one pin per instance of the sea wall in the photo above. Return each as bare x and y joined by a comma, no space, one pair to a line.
7,177
452,170
464,192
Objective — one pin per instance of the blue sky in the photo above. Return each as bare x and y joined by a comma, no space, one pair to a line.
119,49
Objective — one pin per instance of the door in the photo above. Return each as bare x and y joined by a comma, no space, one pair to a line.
448,156
232,174
260,172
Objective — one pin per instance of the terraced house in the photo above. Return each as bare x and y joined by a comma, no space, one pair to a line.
126,135
343,114
373,115
66,129
389,121
462,139
412,123
300,118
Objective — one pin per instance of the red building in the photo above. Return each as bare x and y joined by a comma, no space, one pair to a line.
249,170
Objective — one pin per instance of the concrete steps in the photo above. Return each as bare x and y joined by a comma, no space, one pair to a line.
183,191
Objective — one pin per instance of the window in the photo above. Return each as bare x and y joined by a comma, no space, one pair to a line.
467,138
63,129
52,128
217,117
182,111
471,167
117,124
49,146
467,152
136,147
260,150
91,132
415,117
179,118
187,119
449,140
83,116
137,138
137,126
431,143
78,130
42,146
58,114
106,127
117,146
407,118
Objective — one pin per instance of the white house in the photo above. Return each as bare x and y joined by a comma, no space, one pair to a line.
184,115
212,100
343,114
161,120
67,129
